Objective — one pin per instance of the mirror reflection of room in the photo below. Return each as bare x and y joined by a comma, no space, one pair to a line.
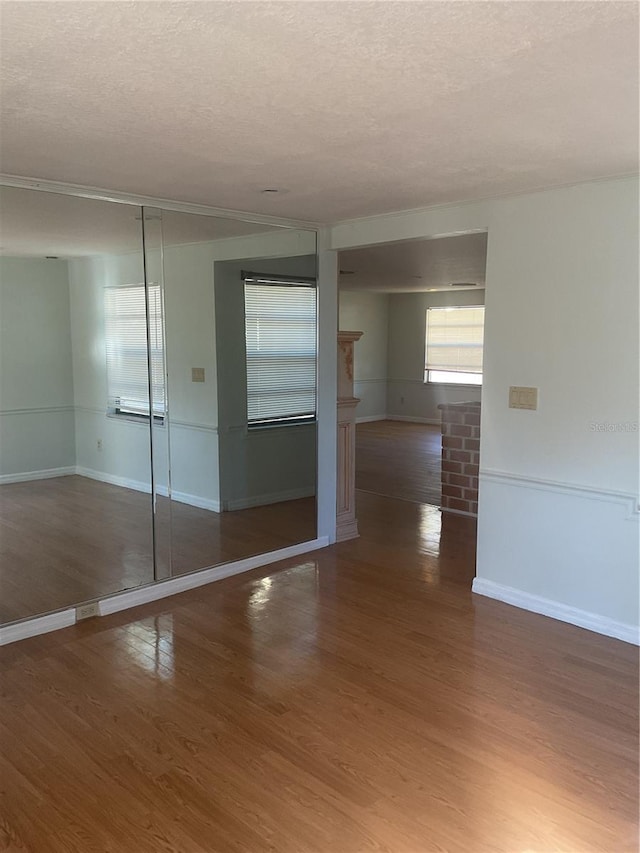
150,423
75,510
241,357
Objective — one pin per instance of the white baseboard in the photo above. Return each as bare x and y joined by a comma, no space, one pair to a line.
411,420
172,586
556,610
154,592
367,419
38,625
46,474
271,498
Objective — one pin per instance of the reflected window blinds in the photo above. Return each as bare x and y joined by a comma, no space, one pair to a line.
280,329
126,347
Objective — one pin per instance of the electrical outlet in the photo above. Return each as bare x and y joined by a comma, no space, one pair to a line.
99,444
86,611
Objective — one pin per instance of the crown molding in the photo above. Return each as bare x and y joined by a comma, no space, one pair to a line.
101,194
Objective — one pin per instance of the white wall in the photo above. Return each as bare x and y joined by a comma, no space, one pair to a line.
36,380
369,313
124,458
556,519
407,394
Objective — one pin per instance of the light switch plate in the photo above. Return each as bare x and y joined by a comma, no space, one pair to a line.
521,397
197,374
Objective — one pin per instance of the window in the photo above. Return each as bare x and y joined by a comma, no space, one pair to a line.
280,333
454,345
126,344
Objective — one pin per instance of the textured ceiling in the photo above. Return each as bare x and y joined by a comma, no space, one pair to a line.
36,224
354,108
416,265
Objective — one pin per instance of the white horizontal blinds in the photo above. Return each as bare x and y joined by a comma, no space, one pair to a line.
280,325
455,339
126,345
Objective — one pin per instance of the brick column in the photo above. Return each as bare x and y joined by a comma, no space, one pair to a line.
460,457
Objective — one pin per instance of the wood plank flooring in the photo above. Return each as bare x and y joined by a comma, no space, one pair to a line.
72,539
355,699
399,460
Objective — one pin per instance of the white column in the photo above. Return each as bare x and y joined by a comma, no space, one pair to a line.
346,522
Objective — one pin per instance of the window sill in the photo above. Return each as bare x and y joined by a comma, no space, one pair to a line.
464,385
268,427
141,420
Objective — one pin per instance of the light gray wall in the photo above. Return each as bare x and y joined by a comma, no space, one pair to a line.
407,393
36,378
124,458
192,436
368,312
558,519
262,465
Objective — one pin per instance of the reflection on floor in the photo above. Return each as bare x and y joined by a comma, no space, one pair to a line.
71,539
399,460
441,546
350,699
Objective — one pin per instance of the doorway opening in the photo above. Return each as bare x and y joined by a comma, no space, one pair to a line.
418,376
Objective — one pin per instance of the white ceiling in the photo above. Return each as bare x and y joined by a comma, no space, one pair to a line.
354,108
416,265
37,224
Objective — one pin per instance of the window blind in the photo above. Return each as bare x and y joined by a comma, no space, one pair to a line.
455,339
280,326
126,346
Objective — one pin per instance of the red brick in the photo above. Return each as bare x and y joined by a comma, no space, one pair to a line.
452,443
452,491
461,430
456,503
460,480
472,444
460,456
474,508
472,418
455,467
475,431
469,494
471,470
453,417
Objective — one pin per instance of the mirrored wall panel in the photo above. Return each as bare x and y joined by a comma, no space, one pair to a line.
75,475
240,321
157,395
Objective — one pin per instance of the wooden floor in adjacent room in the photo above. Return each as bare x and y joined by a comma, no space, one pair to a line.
399,460
354,699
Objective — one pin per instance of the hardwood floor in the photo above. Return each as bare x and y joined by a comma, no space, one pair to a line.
355,699
399,460
71,539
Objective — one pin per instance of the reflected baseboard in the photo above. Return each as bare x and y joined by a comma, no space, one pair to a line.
270,498
141,486
46,474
